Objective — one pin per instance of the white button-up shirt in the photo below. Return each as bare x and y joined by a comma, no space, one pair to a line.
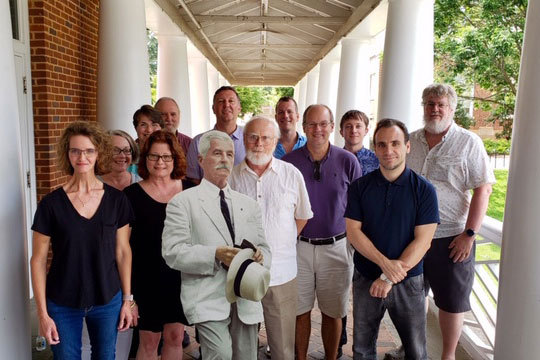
282,196
458,164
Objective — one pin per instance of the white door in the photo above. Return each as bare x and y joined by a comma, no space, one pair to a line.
21,50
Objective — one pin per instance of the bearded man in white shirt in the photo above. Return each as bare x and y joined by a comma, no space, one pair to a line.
279,189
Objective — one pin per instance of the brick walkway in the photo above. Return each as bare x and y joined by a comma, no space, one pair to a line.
388,339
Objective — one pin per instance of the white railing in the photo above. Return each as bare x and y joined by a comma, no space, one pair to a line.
478,337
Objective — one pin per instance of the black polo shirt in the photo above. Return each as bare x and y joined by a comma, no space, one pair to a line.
389,212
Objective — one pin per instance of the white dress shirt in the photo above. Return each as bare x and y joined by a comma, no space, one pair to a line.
282,196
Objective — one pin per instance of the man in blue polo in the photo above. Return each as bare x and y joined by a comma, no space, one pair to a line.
391,216
324,257
286,117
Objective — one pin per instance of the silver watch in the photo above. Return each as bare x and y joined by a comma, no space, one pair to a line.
386,279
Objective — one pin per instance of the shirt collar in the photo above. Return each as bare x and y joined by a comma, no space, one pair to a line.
212,190
400,181
307,154
274,164
237,134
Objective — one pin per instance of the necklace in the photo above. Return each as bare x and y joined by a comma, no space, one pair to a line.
87,201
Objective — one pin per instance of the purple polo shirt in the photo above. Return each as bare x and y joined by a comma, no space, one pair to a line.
328,196
184,141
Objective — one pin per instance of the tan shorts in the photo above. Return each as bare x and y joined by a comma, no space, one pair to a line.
324,271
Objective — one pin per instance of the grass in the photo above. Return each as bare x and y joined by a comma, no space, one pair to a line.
497,200
498,197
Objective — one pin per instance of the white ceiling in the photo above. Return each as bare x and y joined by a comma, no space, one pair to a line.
263,42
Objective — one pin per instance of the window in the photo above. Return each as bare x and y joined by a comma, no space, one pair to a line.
14,19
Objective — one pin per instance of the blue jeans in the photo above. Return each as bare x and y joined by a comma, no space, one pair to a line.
102,322
406,306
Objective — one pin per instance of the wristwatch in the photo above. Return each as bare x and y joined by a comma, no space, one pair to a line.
127,297
386,279
470,232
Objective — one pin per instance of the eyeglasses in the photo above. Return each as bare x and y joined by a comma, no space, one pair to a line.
117,151
156,157
78,152
432,104
145,125
322,125
317,170
253,139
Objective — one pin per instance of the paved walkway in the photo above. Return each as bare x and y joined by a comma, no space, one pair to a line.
388,339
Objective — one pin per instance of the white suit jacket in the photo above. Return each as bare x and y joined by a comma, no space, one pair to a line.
194,228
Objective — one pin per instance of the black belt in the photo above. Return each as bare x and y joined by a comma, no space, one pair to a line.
322,241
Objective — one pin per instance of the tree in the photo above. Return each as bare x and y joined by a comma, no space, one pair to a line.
252,99
479,42
152,45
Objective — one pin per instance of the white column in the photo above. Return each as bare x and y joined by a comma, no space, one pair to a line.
200,107
213,85
518,310
173,76
312,86
14,306
353,87
408,61
123,70
302,96
328,82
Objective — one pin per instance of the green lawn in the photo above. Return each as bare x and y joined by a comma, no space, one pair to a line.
498,197
495,210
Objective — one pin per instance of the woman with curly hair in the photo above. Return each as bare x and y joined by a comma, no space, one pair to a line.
87,224
162,165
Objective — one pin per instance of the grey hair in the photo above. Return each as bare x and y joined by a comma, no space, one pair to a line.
132,144
439,90
267,120
206,139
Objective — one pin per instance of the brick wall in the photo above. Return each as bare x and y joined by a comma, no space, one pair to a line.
63,48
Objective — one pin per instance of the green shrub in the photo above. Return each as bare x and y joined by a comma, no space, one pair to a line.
497,147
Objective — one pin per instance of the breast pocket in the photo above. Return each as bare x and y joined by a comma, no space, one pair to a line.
448,169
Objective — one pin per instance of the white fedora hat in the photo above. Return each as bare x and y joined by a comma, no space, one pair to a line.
246,278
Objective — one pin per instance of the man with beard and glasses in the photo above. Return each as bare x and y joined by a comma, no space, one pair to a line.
204,229
324,256
455,161
279,189
391,218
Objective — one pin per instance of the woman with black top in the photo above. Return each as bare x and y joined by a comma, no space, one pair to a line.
87,224
156,287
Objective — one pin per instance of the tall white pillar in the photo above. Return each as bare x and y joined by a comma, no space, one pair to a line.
173,76
353,87
213,85
408,61
14,305
312,86
123,70
328,82
518,310
200,107
302,96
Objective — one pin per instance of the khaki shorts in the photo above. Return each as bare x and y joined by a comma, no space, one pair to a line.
324,271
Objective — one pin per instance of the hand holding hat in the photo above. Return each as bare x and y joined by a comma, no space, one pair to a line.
246,278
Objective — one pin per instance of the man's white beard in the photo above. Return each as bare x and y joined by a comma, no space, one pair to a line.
258,158
436,127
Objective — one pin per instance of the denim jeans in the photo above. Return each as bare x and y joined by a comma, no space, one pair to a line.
102,322
406,306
